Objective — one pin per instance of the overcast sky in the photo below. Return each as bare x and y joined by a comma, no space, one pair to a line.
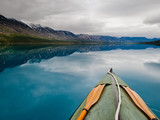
102,17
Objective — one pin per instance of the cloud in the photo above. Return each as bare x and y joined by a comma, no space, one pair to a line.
77,24
153,20
104,17
132,9
37,9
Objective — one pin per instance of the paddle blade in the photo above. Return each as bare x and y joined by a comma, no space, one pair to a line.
139,102
92,98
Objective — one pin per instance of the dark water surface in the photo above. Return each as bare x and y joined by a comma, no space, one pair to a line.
49,82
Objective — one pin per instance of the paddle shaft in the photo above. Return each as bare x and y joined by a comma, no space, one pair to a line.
82,115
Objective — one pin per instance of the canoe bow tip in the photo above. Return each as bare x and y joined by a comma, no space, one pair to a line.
110,70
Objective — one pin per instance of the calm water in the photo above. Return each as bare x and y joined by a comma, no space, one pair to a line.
49,82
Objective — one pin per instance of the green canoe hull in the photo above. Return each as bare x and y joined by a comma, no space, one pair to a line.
105,108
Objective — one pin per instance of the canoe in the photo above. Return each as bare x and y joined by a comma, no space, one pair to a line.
113,99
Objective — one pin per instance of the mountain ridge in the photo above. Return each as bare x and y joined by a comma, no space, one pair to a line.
11,29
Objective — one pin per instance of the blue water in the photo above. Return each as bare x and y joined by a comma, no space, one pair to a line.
49,82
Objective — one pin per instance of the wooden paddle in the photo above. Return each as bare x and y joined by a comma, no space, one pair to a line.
139,102
92,98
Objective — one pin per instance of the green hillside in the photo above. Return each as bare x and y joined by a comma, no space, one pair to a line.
26,39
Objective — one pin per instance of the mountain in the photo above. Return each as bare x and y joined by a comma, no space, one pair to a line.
115,39
13,31
56,34
98,38
138,39
8,26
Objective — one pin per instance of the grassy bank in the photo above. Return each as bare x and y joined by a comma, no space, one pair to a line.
15,39
153,43
24,39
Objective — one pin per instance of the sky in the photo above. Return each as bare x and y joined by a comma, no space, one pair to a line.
96,17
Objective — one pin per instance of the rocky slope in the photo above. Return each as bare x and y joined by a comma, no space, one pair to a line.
12,26
9,28
56,34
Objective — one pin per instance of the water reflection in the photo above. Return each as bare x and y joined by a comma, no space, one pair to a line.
49,82
11,56
153,65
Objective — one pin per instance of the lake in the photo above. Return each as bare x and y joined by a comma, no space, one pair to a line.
48,82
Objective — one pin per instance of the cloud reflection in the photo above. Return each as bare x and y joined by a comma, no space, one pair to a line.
93,63
153,66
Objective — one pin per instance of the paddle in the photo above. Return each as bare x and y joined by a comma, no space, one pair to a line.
92,98
140,103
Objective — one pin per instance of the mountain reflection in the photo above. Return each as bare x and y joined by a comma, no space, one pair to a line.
11,56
